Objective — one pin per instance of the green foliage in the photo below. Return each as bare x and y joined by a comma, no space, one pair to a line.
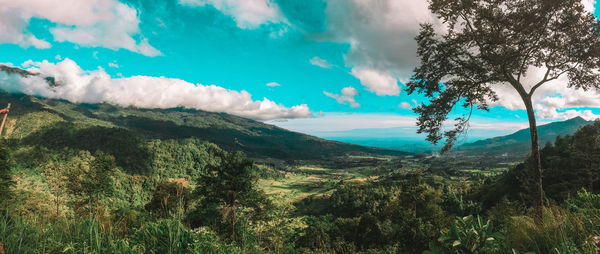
399,210
91,178
468,235
585,202
126,192
182,158
122,132
458,205
162,236
128,148
572,163
228,188
169,198
561,230
6,181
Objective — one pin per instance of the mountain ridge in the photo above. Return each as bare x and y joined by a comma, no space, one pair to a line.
32,115
518,143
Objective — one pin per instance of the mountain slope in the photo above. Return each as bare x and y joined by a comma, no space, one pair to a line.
59,123
519,142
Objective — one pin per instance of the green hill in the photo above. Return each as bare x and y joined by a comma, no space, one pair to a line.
519,144
59,123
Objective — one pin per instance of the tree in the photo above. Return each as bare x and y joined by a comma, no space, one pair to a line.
91,178
54,174
230,186
6,181
490,43
586,150
169,197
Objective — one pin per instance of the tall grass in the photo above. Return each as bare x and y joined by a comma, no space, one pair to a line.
563,232
87,237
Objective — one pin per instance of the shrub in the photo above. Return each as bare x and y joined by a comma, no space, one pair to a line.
561,230
468,235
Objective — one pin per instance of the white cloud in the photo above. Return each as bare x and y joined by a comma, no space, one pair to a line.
248,14
589,5
376,81
548,113
405,105
553,100
380,33
78,86
273,84
94,23
317,61
347,96
113,65
37,43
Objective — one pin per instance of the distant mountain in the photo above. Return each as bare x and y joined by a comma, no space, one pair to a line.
35,119
519,142
403,138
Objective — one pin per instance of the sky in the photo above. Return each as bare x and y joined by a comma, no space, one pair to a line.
322,67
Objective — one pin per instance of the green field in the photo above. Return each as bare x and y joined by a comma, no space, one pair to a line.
307,181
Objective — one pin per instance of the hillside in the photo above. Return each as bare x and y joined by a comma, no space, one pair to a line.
39,120
518,143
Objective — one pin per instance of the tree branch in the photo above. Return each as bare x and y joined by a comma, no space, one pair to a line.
543,81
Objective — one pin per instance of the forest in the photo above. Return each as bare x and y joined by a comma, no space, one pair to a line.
94,173
110,190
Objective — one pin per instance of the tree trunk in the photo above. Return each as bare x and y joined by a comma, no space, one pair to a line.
590,178
537,193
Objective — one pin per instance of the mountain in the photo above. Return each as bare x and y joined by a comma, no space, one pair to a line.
59,123
519,142
401,138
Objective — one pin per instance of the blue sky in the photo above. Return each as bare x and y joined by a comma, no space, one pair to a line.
324,66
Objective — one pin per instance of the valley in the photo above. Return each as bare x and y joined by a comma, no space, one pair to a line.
164,169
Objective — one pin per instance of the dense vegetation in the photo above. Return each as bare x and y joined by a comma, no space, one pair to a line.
45,118
104,179
79,186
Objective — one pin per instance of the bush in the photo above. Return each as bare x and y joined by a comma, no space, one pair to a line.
468,235
562,231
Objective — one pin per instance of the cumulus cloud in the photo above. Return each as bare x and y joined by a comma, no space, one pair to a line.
376,81
248,14
273,84
347,96
95,23
317,61
383,53
79,86
380,33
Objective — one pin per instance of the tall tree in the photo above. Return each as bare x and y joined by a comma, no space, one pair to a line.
586,150
91,178
491,43
230,185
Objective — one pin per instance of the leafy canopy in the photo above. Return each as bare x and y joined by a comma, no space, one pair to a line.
488,43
